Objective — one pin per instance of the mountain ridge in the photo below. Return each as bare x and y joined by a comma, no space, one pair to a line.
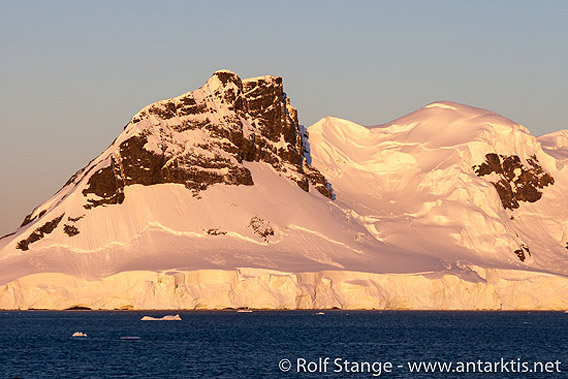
222,185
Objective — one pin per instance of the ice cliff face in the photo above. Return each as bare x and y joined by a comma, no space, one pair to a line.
217,198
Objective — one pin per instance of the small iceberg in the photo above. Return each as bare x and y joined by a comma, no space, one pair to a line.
79,334
320,313
165,318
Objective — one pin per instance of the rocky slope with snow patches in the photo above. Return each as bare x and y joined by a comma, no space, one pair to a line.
219,198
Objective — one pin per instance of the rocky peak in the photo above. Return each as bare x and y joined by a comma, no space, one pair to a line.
202,138
227,76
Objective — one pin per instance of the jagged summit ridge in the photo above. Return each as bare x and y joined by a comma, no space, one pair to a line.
202,138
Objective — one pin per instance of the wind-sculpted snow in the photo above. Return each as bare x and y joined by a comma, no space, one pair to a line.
459,183
207,201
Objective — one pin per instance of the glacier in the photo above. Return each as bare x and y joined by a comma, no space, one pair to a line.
219,199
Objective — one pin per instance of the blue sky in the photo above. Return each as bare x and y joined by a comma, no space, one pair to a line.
73,73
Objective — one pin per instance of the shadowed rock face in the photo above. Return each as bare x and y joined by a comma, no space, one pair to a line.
517,182
250,120
133,164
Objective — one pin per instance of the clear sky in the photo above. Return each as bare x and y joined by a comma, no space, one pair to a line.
72,73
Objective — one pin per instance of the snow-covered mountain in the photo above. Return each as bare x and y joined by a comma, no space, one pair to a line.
218,198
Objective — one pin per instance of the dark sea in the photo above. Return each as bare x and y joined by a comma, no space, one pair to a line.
280,344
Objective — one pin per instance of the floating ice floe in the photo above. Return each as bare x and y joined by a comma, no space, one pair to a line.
165,318
79,334
130,338
244,311
320,313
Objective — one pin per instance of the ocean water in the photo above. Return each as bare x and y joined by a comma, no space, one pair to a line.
39,344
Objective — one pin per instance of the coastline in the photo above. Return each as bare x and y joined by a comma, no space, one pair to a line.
261,289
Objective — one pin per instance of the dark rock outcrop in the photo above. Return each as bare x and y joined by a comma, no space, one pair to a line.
70,230
520,253
29,218
216,232
39,233
262,228
319,182
517,181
